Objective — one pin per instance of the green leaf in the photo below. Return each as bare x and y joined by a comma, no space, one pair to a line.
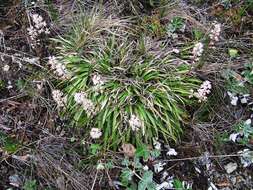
142,151
95,148
8,144
178,184
137,163
30,185
109,165
20,84
125,162
155,153
126,176
147,181
198,34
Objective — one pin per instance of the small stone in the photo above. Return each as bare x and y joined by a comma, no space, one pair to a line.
231,167
6,68
15,180
244,100
175,51
234,101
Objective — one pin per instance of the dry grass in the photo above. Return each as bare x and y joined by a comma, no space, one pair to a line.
58,167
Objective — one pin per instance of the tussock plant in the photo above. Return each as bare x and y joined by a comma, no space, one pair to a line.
118,92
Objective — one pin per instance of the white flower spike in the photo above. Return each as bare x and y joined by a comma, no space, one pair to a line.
135,123
59,98
87,104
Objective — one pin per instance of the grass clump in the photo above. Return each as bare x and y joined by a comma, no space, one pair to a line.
117,87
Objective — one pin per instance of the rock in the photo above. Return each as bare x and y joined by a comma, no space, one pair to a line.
233,180
230,167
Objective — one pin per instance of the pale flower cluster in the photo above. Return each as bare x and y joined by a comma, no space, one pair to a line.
97,80
59,98
79,97
38,27
59,68
135,123
203,91
198,50
95,133
171,152
215,33
234,136
87,104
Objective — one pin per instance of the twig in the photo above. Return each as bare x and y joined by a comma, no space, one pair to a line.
94,182
13,97
21,59
198,157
